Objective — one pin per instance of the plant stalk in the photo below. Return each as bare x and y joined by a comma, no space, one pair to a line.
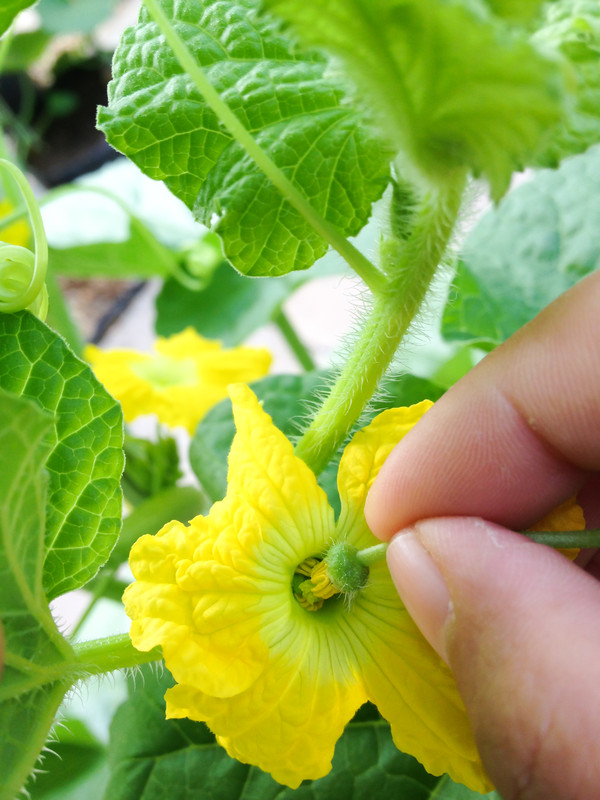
295,343
563,540
411,265
113,652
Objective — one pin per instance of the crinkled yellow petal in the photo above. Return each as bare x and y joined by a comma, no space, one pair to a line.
289,720
197,372
568,516
411,686
361,462
295,517
167,602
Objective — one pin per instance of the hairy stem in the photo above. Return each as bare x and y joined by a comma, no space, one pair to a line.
411,266
361,265
113,652
16,773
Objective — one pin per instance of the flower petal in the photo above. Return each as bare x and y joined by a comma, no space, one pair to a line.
289,721
361,462
412,687
292,508
172,595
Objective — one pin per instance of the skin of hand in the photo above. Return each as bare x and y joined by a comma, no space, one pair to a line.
517,622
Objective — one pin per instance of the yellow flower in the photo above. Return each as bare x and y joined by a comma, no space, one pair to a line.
182,380
18,233
274,671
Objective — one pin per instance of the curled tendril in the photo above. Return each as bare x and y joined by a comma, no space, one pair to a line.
23,272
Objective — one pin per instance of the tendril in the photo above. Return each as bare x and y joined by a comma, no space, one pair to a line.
23,272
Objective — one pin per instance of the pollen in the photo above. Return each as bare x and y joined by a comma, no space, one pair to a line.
312,592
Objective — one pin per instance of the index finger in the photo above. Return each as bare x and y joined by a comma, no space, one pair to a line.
511,440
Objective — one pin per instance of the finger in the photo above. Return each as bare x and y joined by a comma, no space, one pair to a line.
515,437
520,627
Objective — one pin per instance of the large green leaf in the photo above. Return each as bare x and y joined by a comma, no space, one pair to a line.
537,243
452,88
10,9
156,759
35,652
572,28
287,99
83,515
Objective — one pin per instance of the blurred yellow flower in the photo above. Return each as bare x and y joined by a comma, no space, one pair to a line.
19,232
181,381
275,673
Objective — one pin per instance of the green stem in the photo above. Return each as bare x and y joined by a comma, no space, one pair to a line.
40,259
16,773
559,539
294,342
97,594
412,265
370,555
361,265
113,652
565,539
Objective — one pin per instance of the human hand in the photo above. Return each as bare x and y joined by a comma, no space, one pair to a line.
517,622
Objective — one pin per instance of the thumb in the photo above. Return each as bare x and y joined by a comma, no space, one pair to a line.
519,626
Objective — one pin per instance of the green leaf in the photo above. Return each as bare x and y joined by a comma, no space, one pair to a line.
284,96
230,307
537,243
9,10
572,29
139,256
24,49
35,652
157,759
447,789
84,467
452,90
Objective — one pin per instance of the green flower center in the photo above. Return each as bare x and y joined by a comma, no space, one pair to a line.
163,371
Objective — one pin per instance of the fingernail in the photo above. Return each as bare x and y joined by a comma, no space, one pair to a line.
421,587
